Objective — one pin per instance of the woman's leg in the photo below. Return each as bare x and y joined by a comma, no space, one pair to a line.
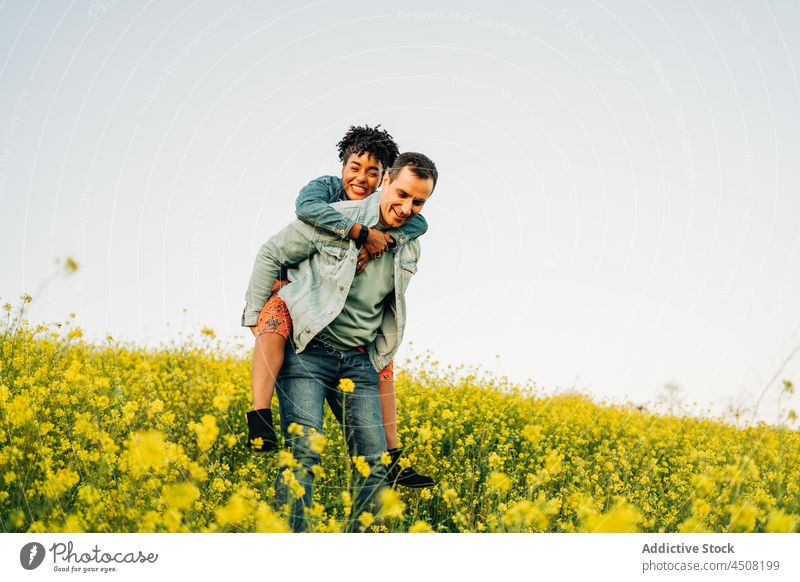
407,477
388,411
267,363
273,328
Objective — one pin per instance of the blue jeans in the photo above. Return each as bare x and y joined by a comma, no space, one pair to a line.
306,381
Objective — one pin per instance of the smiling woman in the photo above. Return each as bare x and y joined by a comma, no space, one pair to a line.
365,152
360,175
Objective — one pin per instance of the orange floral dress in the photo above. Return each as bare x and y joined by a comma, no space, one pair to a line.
275,318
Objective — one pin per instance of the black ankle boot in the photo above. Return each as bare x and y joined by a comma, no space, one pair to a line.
407,477
259,424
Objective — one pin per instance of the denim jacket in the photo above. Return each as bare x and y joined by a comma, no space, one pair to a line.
320,281
313,207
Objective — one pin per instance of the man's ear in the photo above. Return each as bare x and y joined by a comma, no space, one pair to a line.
386,179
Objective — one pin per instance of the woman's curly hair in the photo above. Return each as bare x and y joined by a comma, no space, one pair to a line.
368,139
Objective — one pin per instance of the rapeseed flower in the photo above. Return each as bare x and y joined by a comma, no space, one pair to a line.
499,482
286,459
295,488
206,431
267,521
391,506
19,411
622,518
146,451
743,518
347,385
450,497
295,429
236,511
224,396
366,519
101,433
420,526
361,466
693,525
180,495
779,522
316,442
520,516
347,502
63,480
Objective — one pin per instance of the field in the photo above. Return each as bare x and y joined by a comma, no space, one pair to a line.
115,438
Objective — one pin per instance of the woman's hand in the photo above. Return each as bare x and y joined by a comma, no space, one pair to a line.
377,243
253,328
363,259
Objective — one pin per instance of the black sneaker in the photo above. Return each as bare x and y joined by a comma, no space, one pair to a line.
259,425
407,477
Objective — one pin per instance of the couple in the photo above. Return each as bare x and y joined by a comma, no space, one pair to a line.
342,301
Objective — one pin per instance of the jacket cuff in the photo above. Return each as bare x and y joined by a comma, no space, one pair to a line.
250,318
344,228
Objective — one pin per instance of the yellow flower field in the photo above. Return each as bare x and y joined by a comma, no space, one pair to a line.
115,438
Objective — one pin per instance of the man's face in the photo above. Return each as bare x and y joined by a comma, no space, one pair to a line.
403,197
360,175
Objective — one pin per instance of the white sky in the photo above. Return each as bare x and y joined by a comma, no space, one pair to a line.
617,209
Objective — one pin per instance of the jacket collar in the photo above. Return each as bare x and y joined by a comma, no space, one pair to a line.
371,209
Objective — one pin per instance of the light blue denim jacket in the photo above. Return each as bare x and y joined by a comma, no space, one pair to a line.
313,206
320,281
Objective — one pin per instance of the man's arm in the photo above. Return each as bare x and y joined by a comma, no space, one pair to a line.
293,244
313,207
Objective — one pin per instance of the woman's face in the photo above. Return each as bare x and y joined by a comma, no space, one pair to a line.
361,175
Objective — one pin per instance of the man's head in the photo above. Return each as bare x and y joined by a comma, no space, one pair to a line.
366,152
406,187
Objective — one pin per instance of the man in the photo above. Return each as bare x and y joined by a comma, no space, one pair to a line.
345,327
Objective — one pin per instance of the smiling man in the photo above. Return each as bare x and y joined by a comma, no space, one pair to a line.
345,327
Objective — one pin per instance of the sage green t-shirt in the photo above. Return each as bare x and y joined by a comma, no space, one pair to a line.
358,323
